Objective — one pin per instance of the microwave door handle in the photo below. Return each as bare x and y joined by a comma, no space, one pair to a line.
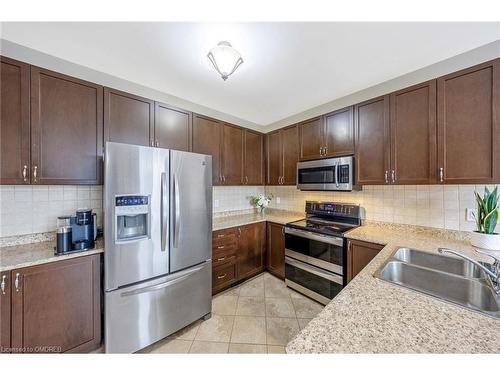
176,211
163,211
337,174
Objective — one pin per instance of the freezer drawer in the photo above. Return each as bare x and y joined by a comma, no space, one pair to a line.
140,315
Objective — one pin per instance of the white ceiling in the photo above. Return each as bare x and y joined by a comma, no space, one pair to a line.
288,67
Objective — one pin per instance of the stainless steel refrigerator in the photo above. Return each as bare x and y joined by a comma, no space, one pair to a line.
158,239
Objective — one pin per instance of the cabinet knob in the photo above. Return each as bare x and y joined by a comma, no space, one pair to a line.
2,284
16,282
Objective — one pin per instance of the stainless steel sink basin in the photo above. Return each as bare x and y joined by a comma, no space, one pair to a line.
438,262
443,277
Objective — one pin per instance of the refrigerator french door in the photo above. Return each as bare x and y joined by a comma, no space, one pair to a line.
158,229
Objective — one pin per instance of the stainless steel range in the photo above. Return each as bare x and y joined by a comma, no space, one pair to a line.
315,249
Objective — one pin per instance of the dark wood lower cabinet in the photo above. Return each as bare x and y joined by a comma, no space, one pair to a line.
359,254
5,312
55,307
275,262
237,254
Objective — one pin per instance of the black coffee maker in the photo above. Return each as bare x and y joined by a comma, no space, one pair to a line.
76,233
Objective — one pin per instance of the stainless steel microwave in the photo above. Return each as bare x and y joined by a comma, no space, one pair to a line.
326,174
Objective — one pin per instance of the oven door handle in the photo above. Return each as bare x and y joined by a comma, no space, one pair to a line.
314,270
316,237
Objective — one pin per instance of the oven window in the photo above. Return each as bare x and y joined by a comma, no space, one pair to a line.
315,249
318,175
318,284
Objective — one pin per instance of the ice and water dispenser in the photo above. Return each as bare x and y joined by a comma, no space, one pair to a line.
132,217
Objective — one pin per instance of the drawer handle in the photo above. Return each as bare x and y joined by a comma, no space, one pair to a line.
220,247
220,259
221,235
16,282
221,277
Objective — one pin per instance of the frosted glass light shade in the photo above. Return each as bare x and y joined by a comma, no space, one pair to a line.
225,59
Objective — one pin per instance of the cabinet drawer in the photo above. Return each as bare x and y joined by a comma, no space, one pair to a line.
223,276
225,234
224,250
228,240
223,260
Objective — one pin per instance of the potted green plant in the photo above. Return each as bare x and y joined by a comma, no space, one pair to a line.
261,201
487,218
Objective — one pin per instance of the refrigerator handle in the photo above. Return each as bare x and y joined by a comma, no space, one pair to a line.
164,212
176,209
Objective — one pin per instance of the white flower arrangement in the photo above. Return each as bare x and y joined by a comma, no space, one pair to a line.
261,201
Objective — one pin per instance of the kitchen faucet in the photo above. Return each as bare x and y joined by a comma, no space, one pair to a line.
494,275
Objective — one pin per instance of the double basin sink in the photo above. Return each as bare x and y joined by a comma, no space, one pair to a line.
448,278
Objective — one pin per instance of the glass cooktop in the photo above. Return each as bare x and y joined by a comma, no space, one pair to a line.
322,226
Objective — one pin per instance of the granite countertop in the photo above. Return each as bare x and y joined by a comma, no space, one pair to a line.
31,254
275,216
375,316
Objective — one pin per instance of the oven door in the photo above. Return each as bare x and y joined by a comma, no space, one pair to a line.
322,251
311,281
325,174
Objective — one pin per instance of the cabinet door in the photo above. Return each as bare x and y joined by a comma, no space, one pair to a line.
254,158
14,122
276,249
128,118
207,140
5,293
251,244
372,141
311,139
413,134
172,127
273,158
359,254
339,132
66,129
290,157
58,305
469,125
232,155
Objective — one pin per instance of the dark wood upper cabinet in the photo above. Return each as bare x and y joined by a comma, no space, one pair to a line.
469,125
128,118
413,134
338,135
232,155
282,150
311,139
275,261
207,139
372,141
5,304
66,129
58,304
172,127
251,245
253,159
273,158
290,150
14,122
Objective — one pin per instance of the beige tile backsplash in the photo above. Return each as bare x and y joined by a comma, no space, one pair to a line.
438,206
33,209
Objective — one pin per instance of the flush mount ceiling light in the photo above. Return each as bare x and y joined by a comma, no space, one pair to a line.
225,59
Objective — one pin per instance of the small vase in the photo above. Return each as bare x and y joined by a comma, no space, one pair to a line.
261,210
485,241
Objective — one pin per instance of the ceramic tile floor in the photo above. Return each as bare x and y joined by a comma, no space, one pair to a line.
259,316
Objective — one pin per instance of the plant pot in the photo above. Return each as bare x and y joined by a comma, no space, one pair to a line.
485,241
